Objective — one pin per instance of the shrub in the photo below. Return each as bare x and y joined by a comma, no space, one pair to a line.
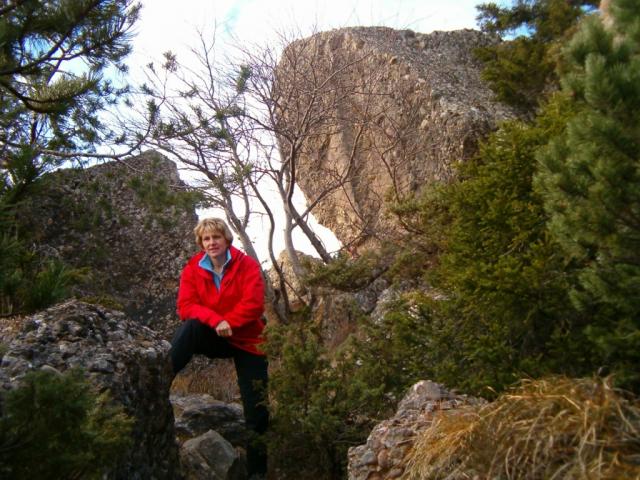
521,70
55,426
50,285
321,403
504,311
589,177
345,273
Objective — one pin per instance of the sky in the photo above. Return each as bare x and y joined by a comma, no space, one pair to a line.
169,25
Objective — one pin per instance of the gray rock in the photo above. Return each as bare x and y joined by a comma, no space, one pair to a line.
426,110
196,414
134,249
72,335
211,457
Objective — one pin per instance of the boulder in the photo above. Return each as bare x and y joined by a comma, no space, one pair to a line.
196,414
384,455
127,225
118,355
211,457
389,111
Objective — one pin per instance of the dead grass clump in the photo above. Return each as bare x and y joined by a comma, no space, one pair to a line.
217,377
555,428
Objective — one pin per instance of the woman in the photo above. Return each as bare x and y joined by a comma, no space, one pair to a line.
221,302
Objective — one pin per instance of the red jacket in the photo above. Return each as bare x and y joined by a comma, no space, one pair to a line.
240,300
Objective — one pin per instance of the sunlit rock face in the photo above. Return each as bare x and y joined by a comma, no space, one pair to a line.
394,110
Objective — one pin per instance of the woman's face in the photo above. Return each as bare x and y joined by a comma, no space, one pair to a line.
214,243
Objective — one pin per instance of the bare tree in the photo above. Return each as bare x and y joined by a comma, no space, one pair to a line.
315,100
202,124
245,125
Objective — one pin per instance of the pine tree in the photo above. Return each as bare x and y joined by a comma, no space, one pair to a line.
590,179
57,426
503,277
54,57
521,69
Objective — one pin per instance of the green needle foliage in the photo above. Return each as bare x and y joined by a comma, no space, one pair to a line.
49,112
504,310
54,57
542,280
324,402
590,179
55,426
520,70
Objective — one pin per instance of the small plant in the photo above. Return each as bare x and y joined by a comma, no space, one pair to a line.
55,426
324,402
50,285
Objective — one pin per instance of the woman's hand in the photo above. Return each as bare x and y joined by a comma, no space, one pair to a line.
224,329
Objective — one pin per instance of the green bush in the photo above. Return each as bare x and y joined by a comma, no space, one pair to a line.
51,284
321,403
503,283
589,177
345,273
424,217
521,70
55,426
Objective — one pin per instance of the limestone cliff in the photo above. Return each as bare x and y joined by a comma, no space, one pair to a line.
393,110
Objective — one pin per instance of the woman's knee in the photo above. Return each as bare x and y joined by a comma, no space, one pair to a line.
190,326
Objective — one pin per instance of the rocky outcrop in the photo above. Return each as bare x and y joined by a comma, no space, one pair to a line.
390,112
384,455
127,224
118,355
211,457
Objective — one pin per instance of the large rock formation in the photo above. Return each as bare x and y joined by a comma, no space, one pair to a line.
120,356
376,111
116,220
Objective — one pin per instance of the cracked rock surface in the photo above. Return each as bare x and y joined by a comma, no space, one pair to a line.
117,355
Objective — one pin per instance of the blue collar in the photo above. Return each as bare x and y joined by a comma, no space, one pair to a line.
205,262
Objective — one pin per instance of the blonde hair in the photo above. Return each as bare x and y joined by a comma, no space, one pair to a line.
216,225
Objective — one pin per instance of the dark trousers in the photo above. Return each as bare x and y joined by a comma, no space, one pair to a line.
194,337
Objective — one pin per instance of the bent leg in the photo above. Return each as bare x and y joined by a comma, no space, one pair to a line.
194,337
253,379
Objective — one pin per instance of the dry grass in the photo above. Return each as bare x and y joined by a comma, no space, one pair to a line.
557,428
217,377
